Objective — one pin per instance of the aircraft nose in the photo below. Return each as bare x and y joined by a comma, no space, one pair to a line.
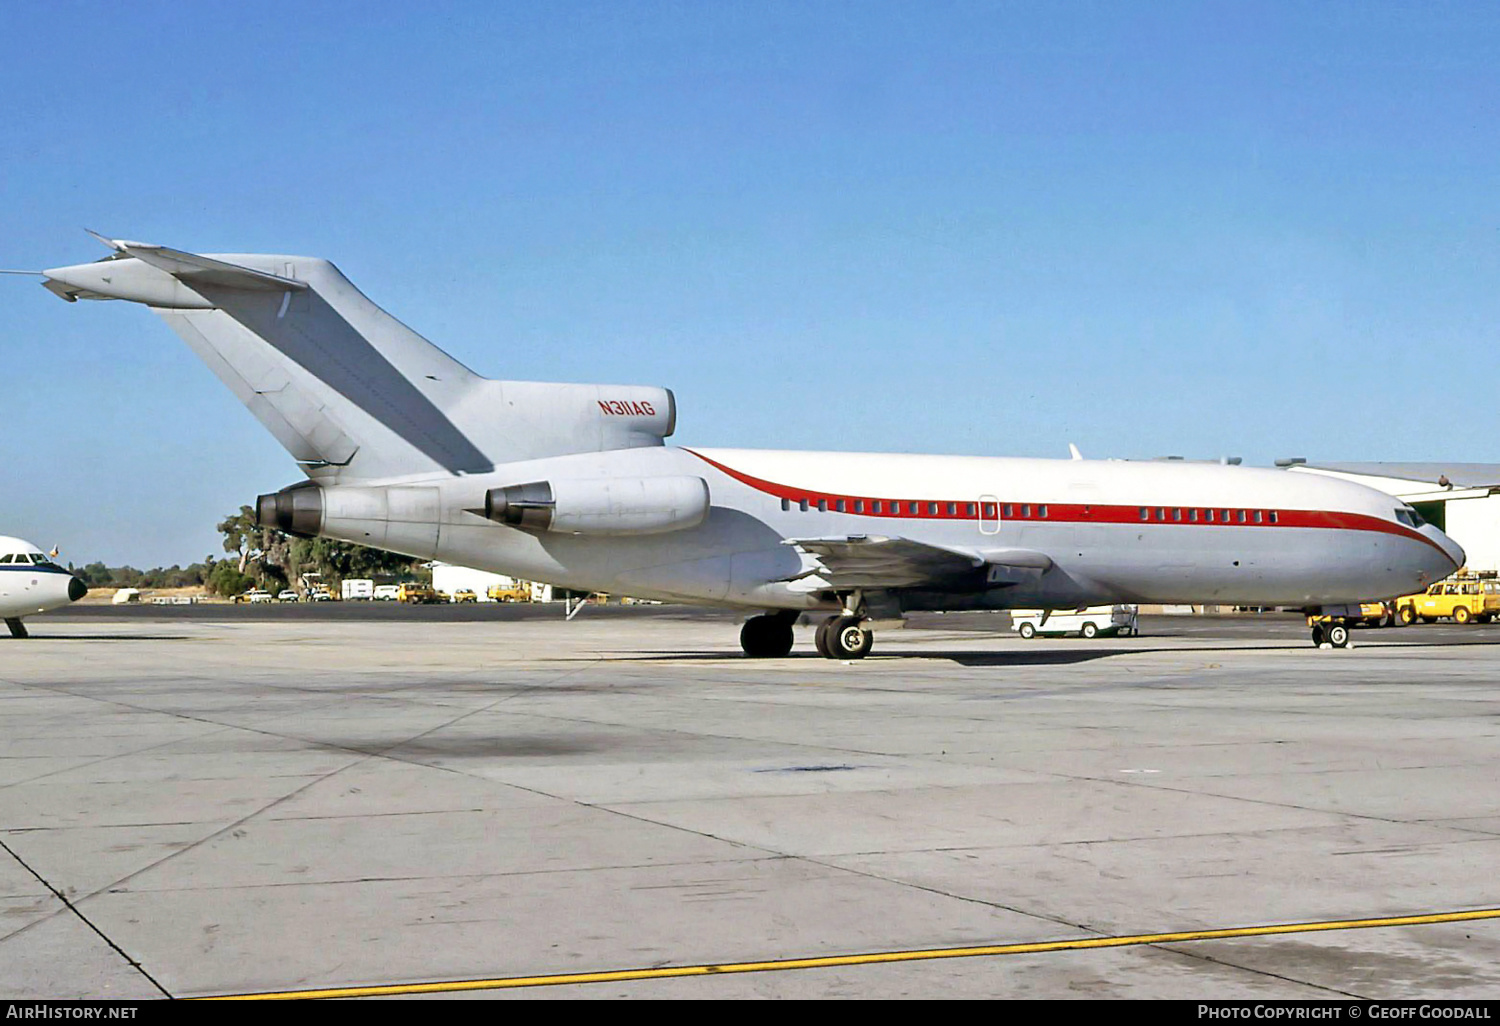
77,589
1451,549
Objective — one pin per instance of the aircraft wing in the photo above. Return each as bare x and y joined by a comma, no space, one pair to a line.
873,561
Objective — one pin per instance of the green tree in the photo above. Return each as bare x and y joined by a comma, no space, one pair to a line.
276,560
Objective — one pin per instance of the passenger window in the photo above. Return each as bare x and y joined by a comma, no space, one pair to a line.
1273,516
1041,511
822,505
1161,513
1145,513
1177,514
932,509
839,506
859,505
1259,517
1010,511
1192,516
989,511
879,506
786,504
1026,511
969,509
802,505
952,508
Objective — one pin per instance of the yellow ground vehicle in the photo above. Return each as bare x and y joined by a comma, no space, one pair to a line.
463,595
417,594
1467,598
517,592
1371,614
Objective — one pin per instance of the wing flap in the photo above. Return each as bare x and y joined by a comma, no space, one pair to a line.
874,561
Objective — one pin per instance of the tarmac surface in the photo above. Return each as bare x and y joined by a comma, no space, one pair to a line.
201,801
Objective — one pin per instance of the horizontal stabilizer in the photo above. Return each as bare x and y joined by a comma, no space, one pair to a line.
192,268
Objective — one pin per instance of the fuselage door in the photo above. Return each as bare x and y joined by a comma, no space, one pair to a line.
989,514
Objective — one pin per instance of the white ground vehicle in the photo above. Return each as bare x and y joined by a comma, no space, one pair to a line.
287,595
387,592
357,588
1095,621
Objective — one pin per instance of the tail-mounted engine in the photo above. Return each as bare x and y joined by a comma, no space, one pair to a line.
297,510
602,506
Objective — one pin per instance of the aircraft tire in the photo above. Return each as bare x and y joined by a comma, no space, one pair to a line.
1338,635
1319,635
820,638
766,637
847,639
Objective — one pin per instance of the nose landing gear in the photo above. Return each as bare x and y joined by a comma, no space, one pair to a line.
1335,635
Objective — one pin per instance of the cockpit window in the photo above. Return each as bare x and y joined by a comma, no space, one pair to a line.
1409,516
8,558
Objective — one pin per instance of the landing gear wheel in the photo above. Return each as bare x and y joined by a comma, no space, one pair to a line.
1028,631
820,639
1461,614
1338,635
1089,631
1319,635
846,638
1406,615
766,637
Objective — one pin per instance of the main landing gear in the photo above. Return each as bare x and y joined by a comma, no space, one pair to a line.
768,636
17,628
839,637
843,637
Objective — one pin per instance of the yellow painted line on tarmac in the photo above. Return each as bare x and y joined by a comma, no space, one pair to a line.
871,958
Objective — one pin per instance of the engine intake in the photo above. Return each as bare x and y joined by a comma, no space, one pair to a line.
602,506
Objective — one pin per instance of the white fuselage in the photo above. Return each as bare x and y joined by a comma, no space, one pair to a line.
30,582
1113,530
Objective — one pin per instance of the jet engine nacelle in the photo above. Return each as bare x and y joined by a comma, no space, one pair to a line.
398,518
601,506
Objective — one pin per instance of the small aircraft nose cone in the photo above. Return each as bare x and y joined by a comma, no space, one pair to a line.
77,589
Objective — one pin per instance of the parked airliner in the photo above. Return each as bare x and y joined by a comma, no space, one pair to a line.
31,583
408,450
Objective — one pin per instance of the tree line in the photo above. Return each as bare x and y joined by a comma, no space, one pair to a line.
262,557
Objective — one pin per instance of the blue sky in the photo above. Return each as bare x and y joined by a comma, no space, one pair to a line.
1205,228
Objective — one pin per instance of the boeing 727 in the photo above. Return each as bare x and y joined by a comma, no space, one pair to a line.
31,583
405,449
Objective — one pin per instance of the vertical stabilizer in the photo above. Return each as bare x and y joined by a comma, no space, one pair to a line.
351,392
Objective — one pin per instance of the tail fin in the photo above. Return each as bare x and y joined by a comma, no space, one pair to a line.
348,390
